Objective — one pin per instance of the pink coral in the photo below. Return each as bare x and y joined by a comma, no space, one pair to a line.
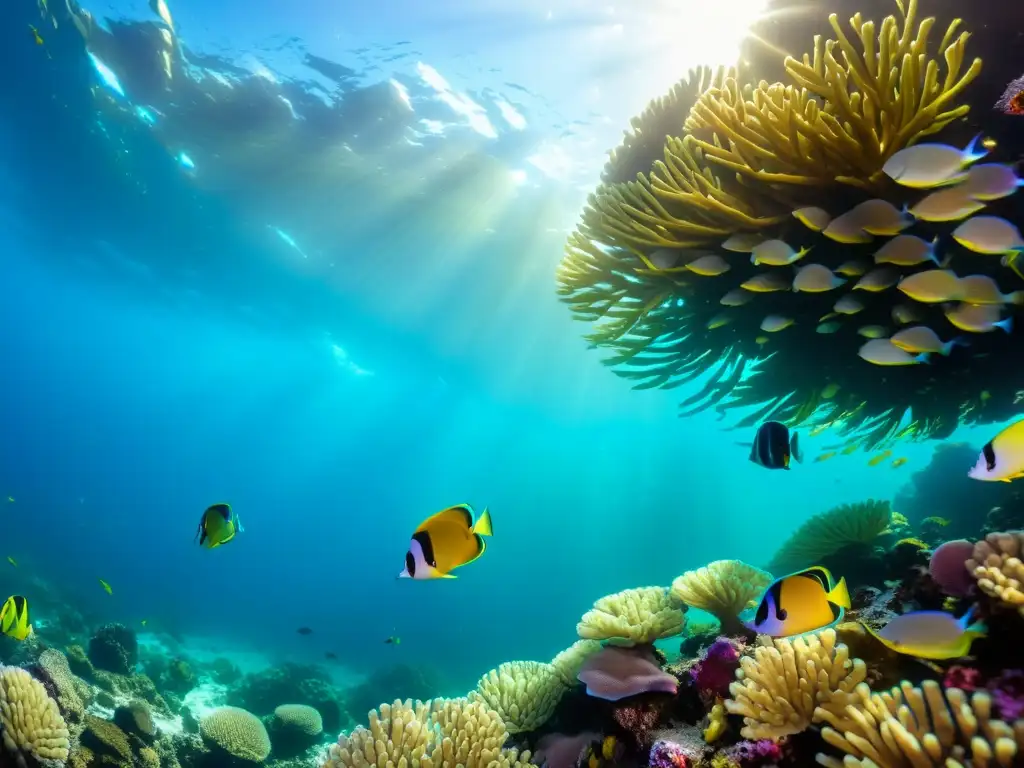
638,719
1008,694
717,669
615,673
948,567
753,754
965,678
668,754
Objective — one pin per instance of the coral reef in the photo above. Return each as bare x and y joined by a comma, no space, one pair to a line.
114,648
237,733
568,662
30,721
830,531
523,694
996,564
262,692
294,728
724,589
633,616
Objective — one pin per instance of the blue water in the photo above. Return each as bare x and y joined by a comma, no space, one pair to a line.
340,325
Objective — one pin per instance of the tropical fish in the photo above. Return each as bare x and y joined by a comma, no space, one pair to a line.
877,280
723,318
773,446
907,251
816,278
766,282
873,331
933,635
851,448
1002,458
847,229
950,204
774,323
664,258
35,35
805,601
880,217
904,314
737,297
942,522
742,242
761,341
982,289
990,235
828,392
14,621
711,265
106,587
852,268
825,456
12,561
920,338
1012,100
884,352
776,253
304,631
992,181
217,526
931,286
848,305
813,217
874,461
831,327
897,463
445,541
393,640
923,166
979,318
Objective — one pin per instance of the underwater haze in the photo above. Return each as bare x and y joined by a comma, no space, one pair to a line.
300,258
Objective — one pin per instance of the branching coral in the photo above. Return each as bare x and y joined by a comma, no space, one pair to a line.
848,112
723,588
439,734
633,616
919,727
523,694
30,721
568,662
996,564
830,531
781,688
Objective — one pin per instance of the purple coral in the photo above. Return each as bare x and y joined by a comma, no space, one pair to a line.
668,754
752,754
557,750
967,679
615,673
717,669
948,567
1008,694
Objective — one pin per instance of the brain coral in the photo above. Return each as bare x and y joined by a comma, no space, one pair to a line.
633,616
31,721
299,718
239,733
723,588
523,694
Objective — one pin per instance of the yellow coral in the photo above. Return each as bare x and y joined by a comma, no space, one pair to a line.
633,616
717,723
780,688
299,718
996,564
524,694
924,727
568,662
439,734
723,588
31,721
849,111
830,531
239,733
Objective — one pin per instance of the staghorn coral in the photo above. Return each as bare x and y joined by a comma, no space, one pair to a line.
919,727
847,112
724,589
996,564
568,662
524,694
633,616
830,531
237,732
780,690
441,733
30,721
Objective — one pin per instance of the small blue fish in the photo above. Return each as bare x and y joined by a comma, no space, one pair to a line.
933,635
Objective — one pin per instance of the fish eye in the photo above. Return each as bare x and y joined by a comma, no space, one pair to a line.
410,564
782,613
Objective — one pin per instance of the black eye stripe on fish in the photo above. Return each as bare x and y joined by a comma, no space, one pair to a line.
426,546
990,456
410,563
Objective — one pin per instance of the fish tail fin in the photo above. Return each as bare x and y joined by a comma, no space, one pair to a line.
238,522
840,595
972,154
794,447
924,357
1006,325
907,212
483,526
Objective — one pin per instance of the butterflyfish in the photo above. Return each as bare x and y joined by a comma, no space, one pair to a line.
816,278
907,251
933,635
921,338
106,587
776,253
989,235
992,181
813,217
445,541
773,446
932,286
218,525
14,620
711,265
950,204
924,166
1002,457
884,352
805,601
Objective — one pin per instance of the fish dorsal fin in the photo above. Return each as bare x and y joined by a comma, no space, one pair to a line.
819,574
460,514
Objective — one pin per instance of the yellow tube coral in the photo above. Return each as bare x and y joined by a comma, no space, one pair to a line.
30,721
924,727
524,694
849,111
996,564
633,616
779,689
723,588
